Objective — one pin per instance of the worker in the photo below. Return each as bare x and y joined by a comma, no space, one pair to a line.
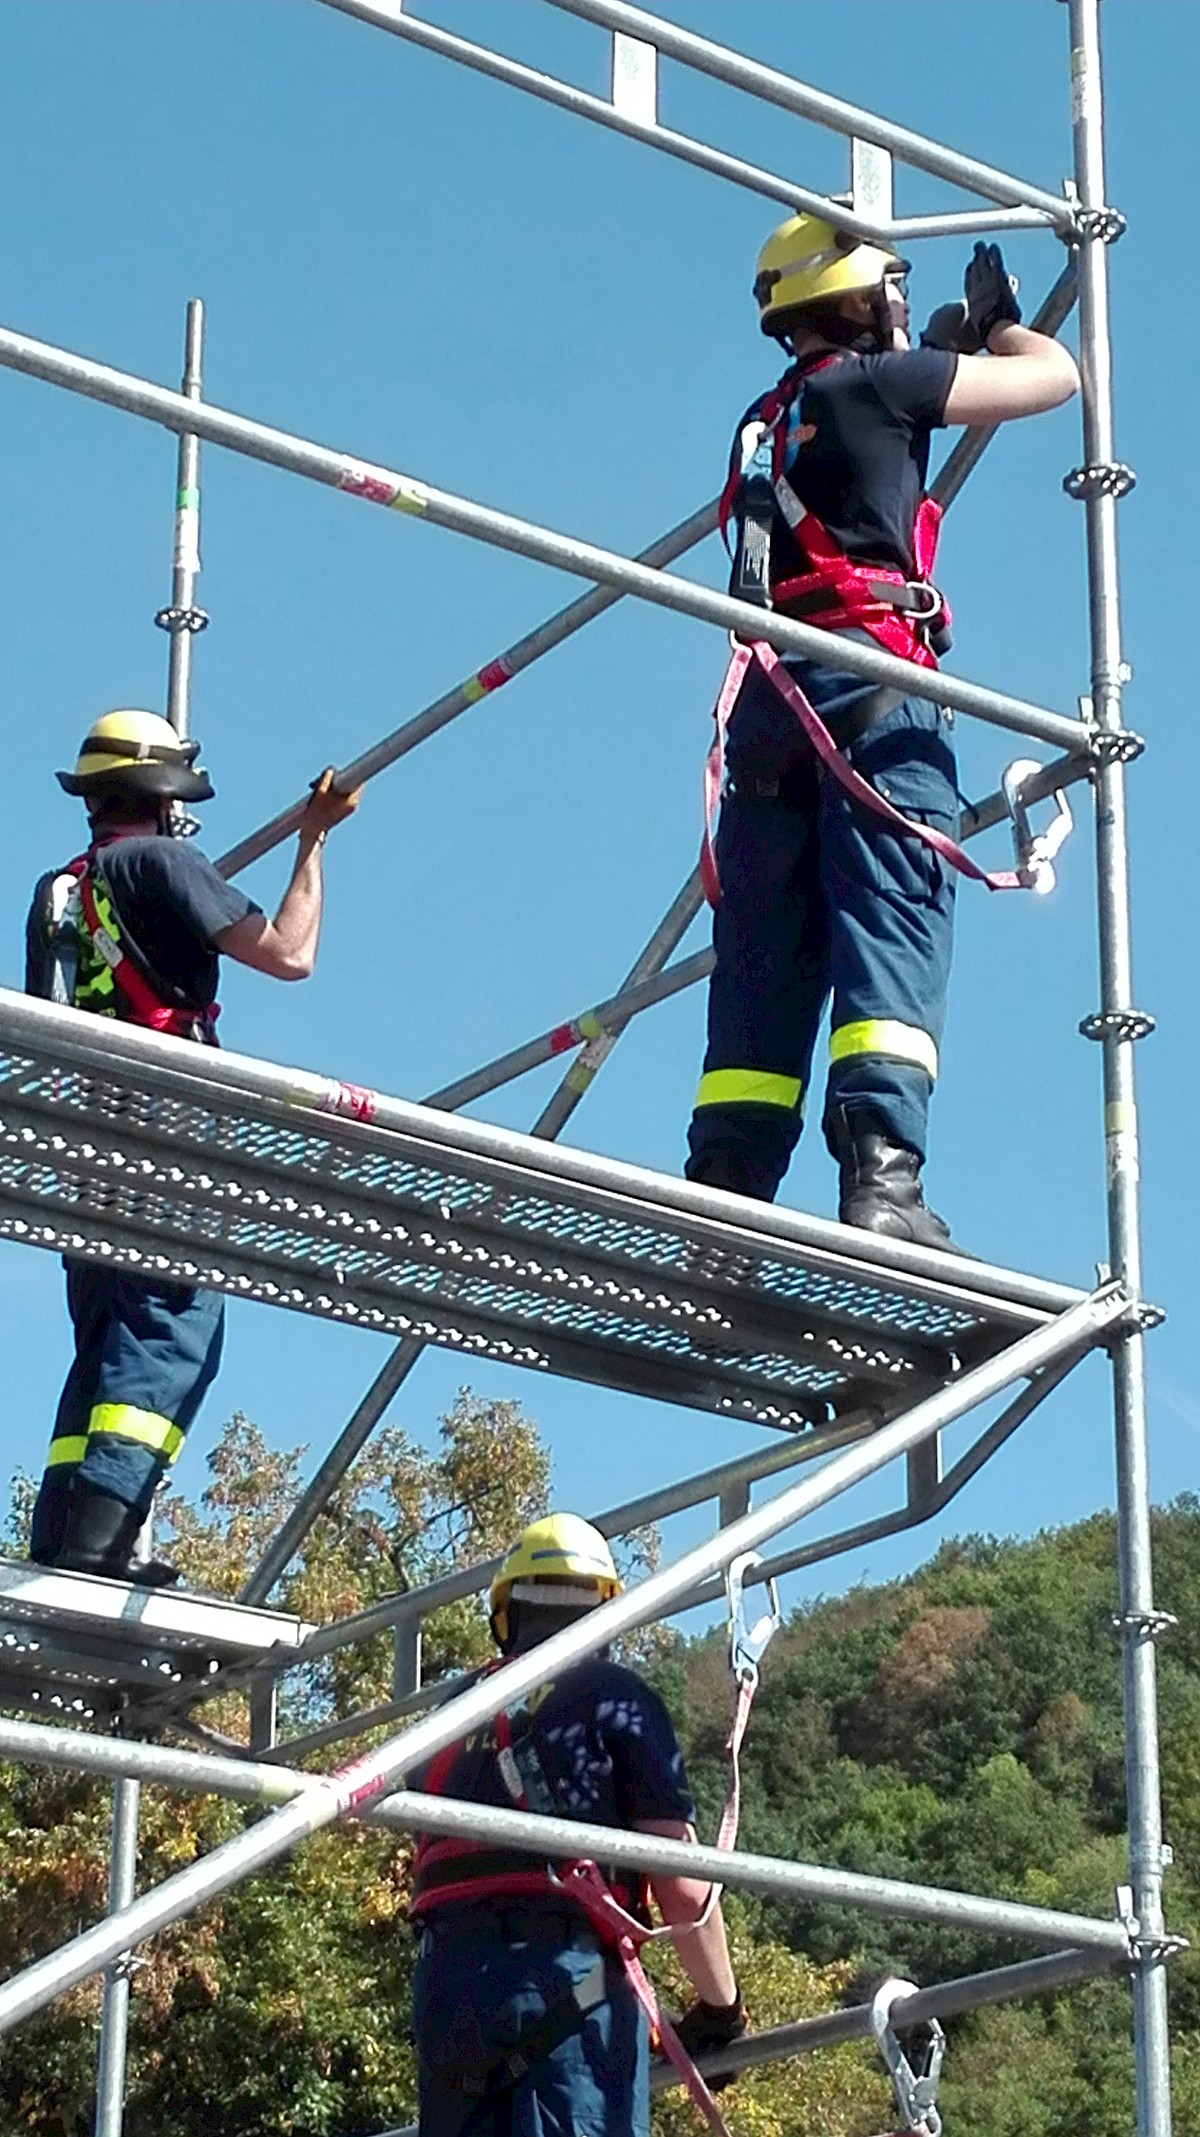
525,2021
133,929
818,896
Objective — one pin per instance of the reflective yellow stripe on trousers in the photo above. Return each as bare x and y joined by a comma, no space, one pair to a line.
71,1447
882,1035
748,1087
145,1426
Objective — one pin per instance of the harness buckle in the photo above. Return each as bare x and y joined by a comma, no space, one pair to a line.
748,1642
916,2091
1034,850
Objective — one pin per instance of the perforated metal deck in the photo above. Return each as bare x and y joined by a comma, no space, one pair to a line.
274,1184
80,1648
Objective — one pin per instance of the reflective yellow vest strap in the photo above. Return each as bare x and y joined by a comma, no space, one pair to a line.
749,1087
883,1035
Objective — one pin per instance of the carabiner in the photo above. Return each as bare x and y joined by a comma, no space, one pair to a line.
1034,850
916,2092
748,1642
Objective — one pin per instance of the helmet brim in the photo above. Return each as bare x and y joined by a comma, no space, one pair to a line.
142,782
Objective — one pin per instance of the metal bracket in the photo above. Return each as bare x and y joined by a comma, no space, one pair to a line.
1115,745
1123,1024
1143,1624
182,619
1103,478
1034,851
126,1966
916,2091
748,1642
1108,224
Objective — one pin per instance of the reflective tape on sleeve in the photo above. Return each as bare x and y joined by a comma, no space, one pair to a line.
749,1087
124,1421
883,1035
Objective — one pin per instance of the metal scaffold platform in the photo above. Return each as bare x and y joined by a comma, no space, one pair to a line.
289,1188
79,1648
212,1169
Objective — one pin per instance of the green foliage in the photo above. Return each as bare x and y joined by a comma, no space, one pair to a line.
961,1728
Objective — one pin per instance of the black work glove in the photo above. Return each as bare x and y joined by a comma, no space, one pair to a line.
990,296
950,328
707,2027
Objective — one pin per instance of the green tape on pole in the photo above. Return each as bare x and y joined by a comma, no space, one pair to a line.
187,497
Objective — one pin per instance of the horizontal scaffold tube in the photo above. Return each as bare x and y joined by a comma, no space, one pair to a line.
564,1839
397,19
741,72
363,1784
405,493
557,628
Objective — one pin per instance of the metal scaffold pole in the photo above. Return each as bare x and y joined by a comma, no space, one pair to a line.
114,2020
1100,483
183,619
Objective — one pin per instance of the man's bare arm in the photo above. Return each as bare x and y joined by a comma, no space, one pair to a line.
286,947
703,1952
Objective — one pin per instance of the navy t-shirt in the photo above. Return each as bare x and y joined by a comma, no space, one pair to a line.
604,1741
170,902
857,452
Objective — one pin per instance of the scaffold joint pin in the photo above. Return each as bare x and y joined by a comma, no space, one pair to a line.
182,619
1108,224
1123,1024
1143,1624
1099,478
1115,745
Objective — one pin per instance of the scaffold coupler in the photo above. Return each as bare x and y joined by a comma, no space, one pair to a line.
913,2068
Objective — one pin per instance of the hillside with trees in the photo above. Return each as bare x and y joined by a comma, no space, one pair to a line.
960,1727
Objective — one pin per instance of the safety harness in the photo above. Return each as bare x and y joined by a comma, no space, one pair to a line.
906,616
447,1871
90,914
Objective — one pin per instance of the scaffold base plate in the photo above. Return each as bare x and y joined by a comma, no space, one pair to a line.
195,1166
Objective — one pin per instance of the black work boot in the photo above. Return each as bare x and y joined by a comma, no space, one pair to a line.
101,1534
880,1188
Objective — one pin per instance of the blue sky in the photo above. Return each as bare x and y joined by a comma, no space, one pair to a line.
426,269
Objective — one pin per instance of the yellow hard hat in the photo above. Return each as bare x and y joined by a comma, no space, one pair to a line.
556,1560
136,753
806,260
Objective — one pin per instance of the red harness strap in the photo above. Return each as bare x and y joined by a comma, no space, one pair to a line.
826,750
144,1005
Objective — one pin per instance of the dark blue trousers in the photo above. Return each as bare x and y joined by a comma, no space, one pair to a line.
145,1354
482,1982
820,899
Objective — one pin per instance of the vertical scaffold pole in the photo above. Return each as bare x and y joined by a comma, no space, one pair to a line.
183,619
1099,484
114,2021
122,1891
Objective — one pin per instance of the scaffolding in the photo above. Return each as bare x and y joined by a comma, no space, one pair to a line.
296,1190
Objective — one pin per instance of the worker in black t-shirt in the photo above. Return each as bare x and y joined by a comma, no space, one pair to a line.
819,897
134,929
525,2020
